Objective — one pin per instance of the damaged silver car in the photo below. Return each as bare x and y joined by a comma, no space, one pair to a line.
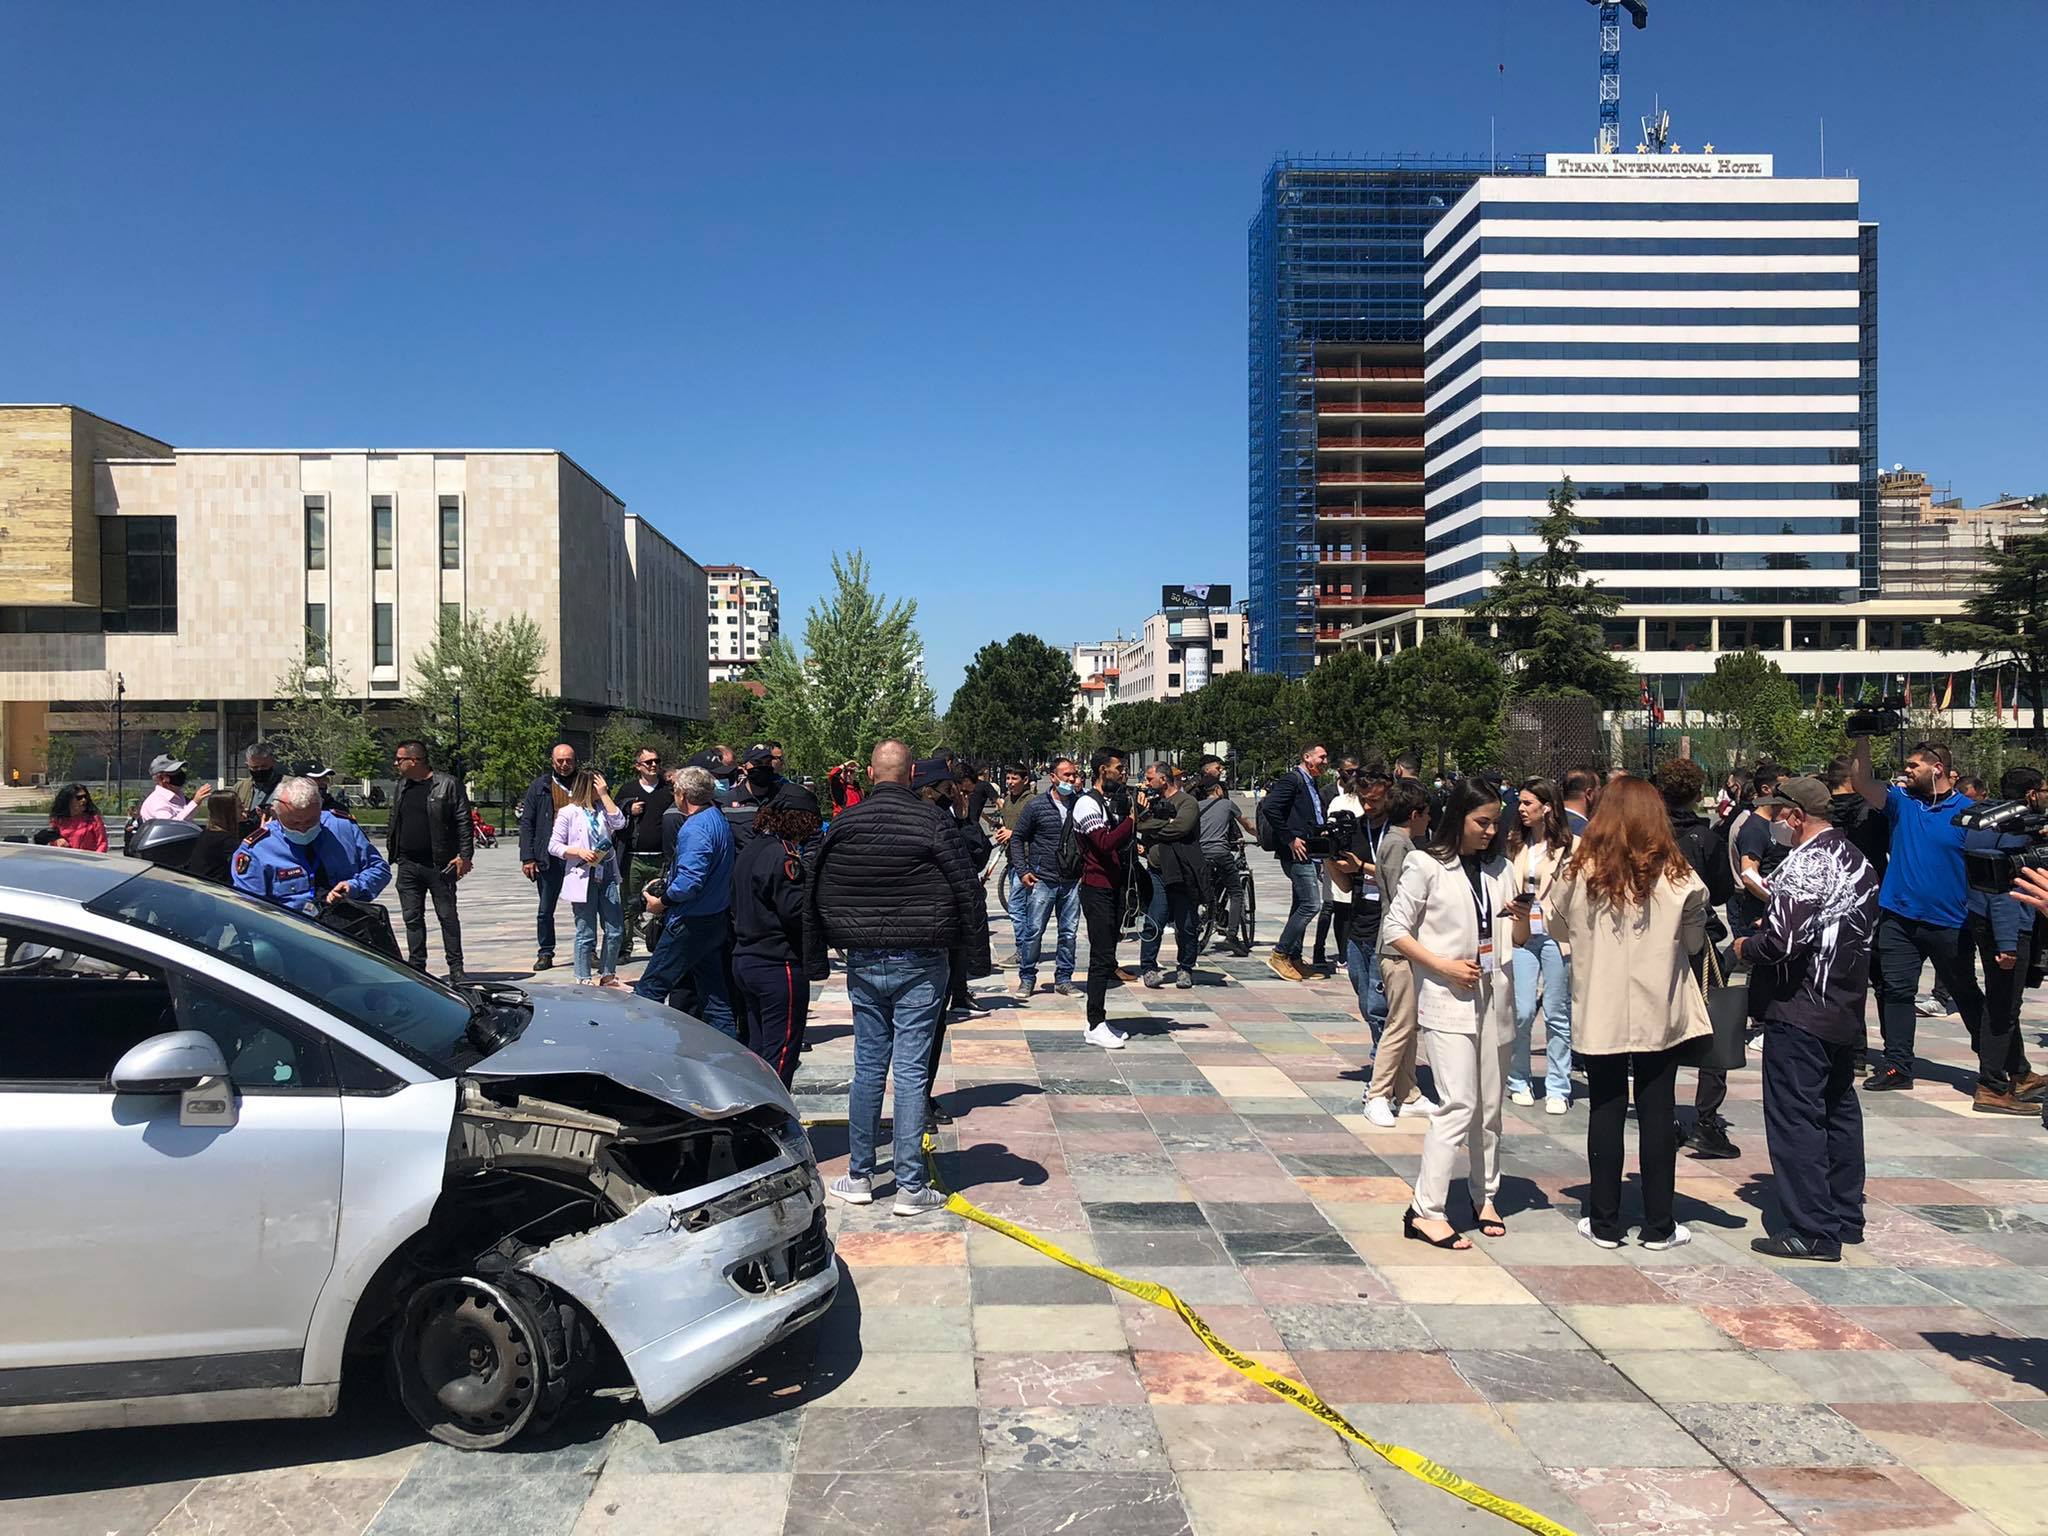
241,1149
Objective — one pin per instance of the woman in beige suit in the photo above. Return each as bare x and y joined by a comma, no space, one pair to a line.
1450,919
1634,913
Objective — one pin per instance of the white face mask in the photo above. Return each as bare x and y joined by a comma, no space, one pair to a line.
1781,833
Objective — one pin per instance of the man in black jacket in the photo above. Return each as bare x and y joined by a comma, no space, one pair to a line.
1681,782
892,888
644,798
1294,810
545,796
1169,827
429,844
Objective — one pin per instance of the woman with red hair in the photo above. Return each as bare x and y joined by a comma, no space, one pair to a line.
1633,913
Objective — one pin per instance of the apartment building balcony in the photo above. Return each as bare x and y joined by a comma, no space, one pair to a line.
1335,373
1369,444
1370,408
1392,511
1369,557
1405,476
1331,601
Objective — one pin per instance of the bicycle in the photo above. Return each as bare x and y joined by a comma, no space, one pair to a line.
1234,912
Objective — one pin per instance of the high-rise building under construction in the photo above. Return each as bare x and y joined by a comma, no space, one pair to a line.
1337,332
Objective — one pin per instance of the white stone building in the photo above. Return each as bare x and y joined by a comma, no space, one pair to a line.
745,618
1176,653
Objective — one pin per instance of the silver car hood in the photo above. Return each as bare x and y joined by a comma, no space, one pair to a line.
653,1049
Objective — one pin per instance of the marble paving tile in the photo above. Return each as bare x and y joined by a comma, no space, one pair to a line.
1280,1284
1946,1434
1866,1375
277,1501
1562,1285
856,1504
1583,1434
1253,1503
1416,1506
2013,1498
1629,1326
1348,1326
1242,1327
1673,1502
1471,1285
626,1503
1261,1248
1175,1376
1547,1376
1384,1376
1067,1328
1805,1327
1092,1439
541,1504
1054,1379
888,1440
1491,1327
676,1443
1778,1435
1860,1500
1083,1504
1268,1436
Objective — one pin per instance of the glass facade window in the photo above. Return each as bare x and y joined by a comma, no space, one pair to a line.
1823,634
451,533
1752,634
383,637
138,575
1619,634
316,533
1677,634
316,634
383,532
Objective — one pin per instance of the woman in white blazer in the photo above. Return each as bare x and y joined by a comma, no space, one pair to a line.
1452,919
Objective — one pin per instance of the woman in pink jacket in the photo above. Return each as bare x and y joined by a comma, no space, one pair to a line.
582,840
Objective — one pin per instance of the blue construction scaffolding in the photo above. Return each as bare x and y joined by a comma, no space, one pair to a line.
1336,261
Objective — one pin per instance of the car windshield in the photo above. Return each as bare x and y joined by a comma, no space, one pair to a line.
381,997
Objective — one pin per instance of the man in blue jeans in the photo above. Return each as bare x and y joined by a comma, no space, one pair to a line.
1294,810
1037,836
695,907
892,888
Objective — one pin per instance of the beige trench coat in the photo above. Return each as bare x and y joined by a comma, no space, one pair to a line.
1632,981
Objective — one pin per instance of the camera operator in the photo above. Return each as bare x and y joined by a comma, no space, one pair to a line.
1922,902
2003,932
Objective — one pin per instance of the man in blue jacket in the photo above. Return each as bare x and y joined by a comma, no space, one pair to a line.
696,929
306,858
2003,932
1046,891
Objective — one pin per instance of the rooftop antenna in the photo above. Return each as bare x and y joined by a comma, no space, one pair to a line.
1823,148
1656,132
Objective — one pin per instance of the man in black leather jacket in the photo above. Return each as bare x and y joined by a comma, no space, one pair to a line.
429,842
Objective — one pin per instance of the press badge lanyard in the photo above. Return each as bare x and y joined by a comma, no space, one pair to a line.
1368,877
1482,899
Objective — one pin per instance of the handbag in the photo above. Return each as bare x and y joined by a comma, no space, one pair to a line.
1725,1047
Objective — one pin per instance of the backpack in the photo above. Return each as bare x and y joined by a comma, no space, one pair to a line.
1269,834
1066,857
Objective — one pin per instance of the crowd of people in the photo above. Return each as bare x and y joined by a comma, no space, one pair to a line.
1461,912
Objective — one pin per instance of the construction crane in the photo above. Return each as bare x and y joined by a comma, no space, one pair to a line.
1609,141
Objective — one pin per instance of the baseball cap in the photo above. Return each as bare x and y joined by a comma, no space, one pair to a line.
163,762
1804,793
758,755
316,771
930,770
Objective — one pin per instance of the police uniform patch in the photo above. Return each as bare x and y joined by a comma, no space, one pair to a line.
242,861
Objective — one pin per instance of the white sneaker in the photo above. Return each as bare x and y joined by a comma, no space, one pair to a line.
1380,1112
918,1202
1105,1035
1523,1097
852,1190
1556,1105
1681,1234
1586,1231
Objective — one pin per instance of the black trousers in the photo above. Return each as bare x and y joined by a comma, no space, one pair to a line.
639,869
1607,1085
416,882
1903,943
1813,1124
1099,915
2001,1045
774,1000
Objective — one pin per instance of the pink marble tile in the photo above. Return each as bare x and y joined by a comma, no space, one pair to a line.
1807,1327
1245,1188
1174,1376
1149,1327
1860,1501
1057,1380
1728,1285
1227,1164
1670,1501
1182,1104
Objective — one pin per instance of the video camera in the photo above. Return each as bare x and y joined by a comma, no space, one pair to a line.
1336,836
1992,870
1880,719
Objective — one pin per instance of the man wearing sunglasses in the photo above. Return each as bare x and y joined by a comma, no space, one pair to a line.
647,796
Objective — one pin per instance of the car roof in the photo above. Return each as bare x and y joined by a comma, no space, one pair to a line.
66,874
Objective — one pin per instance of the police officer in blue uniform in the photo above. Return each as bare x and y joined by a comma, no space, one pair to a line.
306,857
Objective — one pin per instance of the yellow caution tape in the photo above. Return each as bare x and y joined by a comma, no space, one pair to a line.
1414,1463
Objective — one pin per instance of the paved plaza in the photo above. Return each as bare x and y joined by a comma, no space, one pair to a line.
964,1384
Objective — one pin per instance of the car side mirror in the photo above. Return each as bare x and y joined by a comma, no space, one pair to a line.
174,1062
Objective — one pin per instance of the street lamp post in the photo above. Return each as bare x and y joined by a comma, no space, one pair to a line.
458,736
120,758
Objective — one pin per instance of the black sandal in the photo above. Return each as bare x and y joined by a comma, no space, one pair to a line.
1454,1241
1492,1226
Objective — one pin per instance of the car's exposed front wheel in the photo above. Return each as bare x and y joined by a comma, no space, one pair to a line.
476,1362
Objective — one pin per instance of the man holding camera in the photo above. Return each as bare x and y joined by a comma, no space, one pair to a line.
2001,929
1923,901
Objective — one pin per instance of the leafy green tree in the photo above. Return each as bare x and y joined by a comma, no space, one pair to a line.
1013,701
1443,700
1548,614
507,727
860,677
1344,703
1747,694
1257,713
2006,620
315,720
618,741
181,740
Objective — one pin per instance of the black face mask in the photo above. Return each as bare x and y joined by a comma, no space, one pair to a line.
177,780
264,778
761,777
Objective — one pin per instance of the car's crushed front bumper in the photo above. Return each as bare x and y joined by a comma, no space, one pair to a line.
690,1285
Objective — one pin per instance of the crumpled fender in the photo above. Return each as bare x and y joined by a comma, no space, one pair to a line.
658,1280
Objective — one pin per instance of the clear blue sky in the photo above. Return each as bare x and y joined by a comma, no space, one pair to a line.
964,286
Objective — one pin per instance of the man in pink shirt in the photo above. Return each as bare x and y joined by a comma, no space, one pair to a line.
167,801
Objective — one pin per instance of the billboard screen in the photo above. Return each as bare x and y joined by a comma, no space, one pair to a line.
1196,595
